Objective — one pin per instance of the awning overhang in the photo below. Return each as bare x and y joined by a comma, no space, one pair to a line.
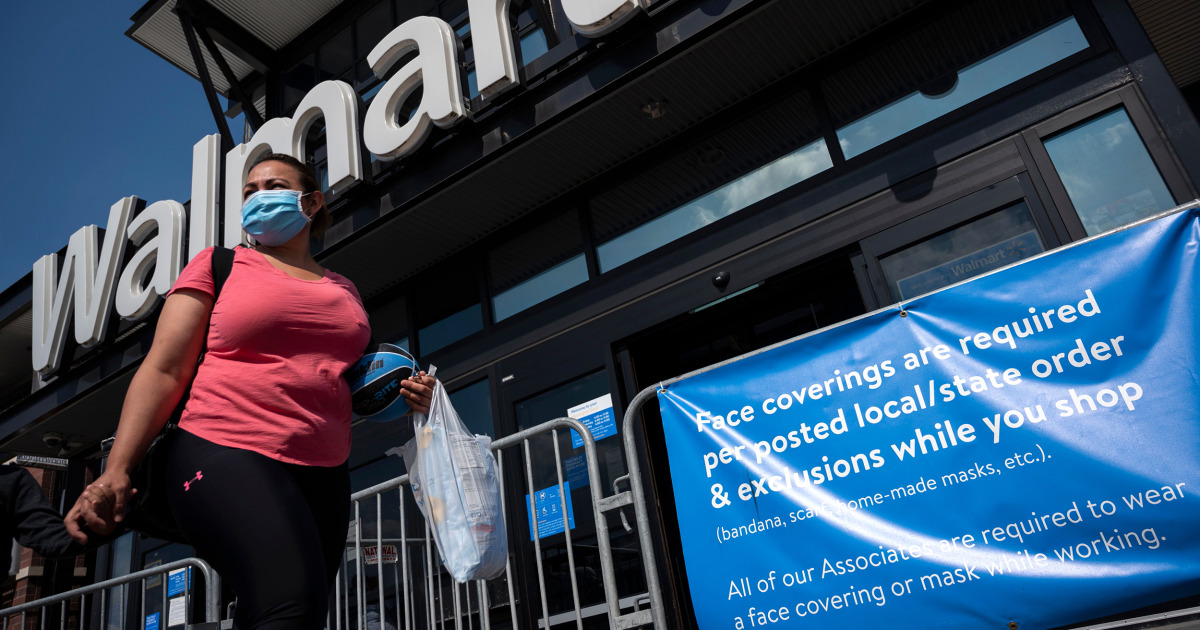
249,35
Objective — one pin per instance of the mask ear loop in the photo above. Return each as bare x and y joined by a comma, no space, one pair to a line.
301,198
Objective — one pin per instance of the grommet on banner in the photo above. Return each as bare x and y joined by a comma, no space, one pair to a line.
661,387
903,313
1012,625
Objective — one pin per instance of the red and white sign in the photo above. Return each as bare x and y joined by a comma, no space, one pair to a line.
371,555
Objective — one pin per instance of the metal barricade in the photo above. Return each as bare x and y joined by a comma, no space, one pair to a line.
423,595
38,611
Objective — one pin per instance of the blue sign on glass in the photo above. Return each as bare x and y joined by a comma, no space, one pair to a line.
982,261
597,416
576,467
152,621
177,582
1022,448
549,511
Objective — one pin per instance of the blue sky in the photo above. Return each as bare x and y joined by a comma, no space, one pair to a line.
89,116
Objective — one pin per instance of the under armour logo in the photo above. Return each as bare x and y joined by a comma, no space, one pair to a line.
187,485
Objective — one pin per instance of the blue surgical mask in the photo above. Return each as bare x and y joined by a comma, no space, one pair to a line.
274,217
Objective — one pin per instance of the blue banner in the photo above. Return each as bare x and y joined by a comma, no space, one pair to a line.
1020,448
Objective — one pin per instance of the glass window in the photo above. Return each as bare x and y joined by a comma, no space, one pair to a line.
756,185
378,471
446,305
972,82
370,442
371,27
555,404
472,85
370,94
389,321
541,287
988,243
317,154
297,82
537,265
335,56
474,406
446,331
544,472
533,45
1108,173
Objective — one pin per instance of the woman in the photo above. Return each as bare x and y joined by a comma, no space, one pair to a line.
257,476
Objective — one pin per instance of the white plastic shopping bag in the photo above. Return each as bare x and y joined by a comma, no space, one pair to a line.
454,482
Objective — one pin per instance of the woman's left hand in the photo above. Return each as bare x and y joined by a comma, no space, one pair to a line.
418,390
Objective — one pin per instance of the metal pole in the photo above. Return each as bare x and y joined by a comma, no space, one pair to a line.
358,566
537,539
235,86
379,556
206,81
639,508
433,620
407,604
562,500
335,615
512,600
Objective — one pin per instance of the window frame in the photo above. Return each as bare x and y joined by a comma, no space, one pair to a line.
958,212
1129,98
1099,44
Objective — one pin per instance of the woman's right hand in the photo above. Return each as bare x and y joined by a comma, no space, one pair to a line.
101,506
156,388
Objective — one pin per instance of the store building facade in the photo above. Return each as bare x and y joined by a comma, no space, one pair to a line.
556,201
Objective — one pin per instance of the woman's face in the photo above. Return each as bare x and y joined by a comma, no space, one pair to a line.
276,175
271,175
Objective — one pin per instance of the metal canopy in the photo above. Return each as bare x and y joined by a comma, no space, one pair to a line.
1174,29
248,34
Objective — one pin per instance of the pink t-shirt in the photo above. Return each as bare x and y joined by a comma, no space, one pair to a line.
271,381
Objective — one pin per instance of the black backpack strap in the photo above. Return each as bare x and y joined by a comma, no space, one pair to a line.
222,264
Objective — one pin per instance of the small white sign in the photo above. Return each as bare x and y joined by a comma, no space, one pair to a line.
177,613
371,555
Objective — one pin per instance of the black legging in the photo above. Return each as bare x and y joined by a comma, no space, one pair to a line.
274,531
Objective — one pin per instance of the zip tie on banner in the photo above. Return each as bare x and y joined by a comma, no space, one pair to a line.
661,387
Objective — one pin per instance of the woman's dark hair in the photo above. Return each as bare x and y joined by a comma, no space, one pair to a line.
308,183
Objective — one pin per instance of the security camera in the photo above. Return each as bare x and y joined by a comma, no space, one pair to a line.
52,439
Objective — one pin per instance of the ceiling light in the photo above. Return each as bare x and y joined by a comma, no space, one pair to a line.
654,109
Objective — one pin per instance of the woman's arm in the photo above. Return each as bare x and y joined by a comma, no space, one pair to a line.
153,394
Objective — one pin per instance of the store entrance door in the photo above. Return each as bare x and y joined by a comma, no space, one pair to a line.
803,299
